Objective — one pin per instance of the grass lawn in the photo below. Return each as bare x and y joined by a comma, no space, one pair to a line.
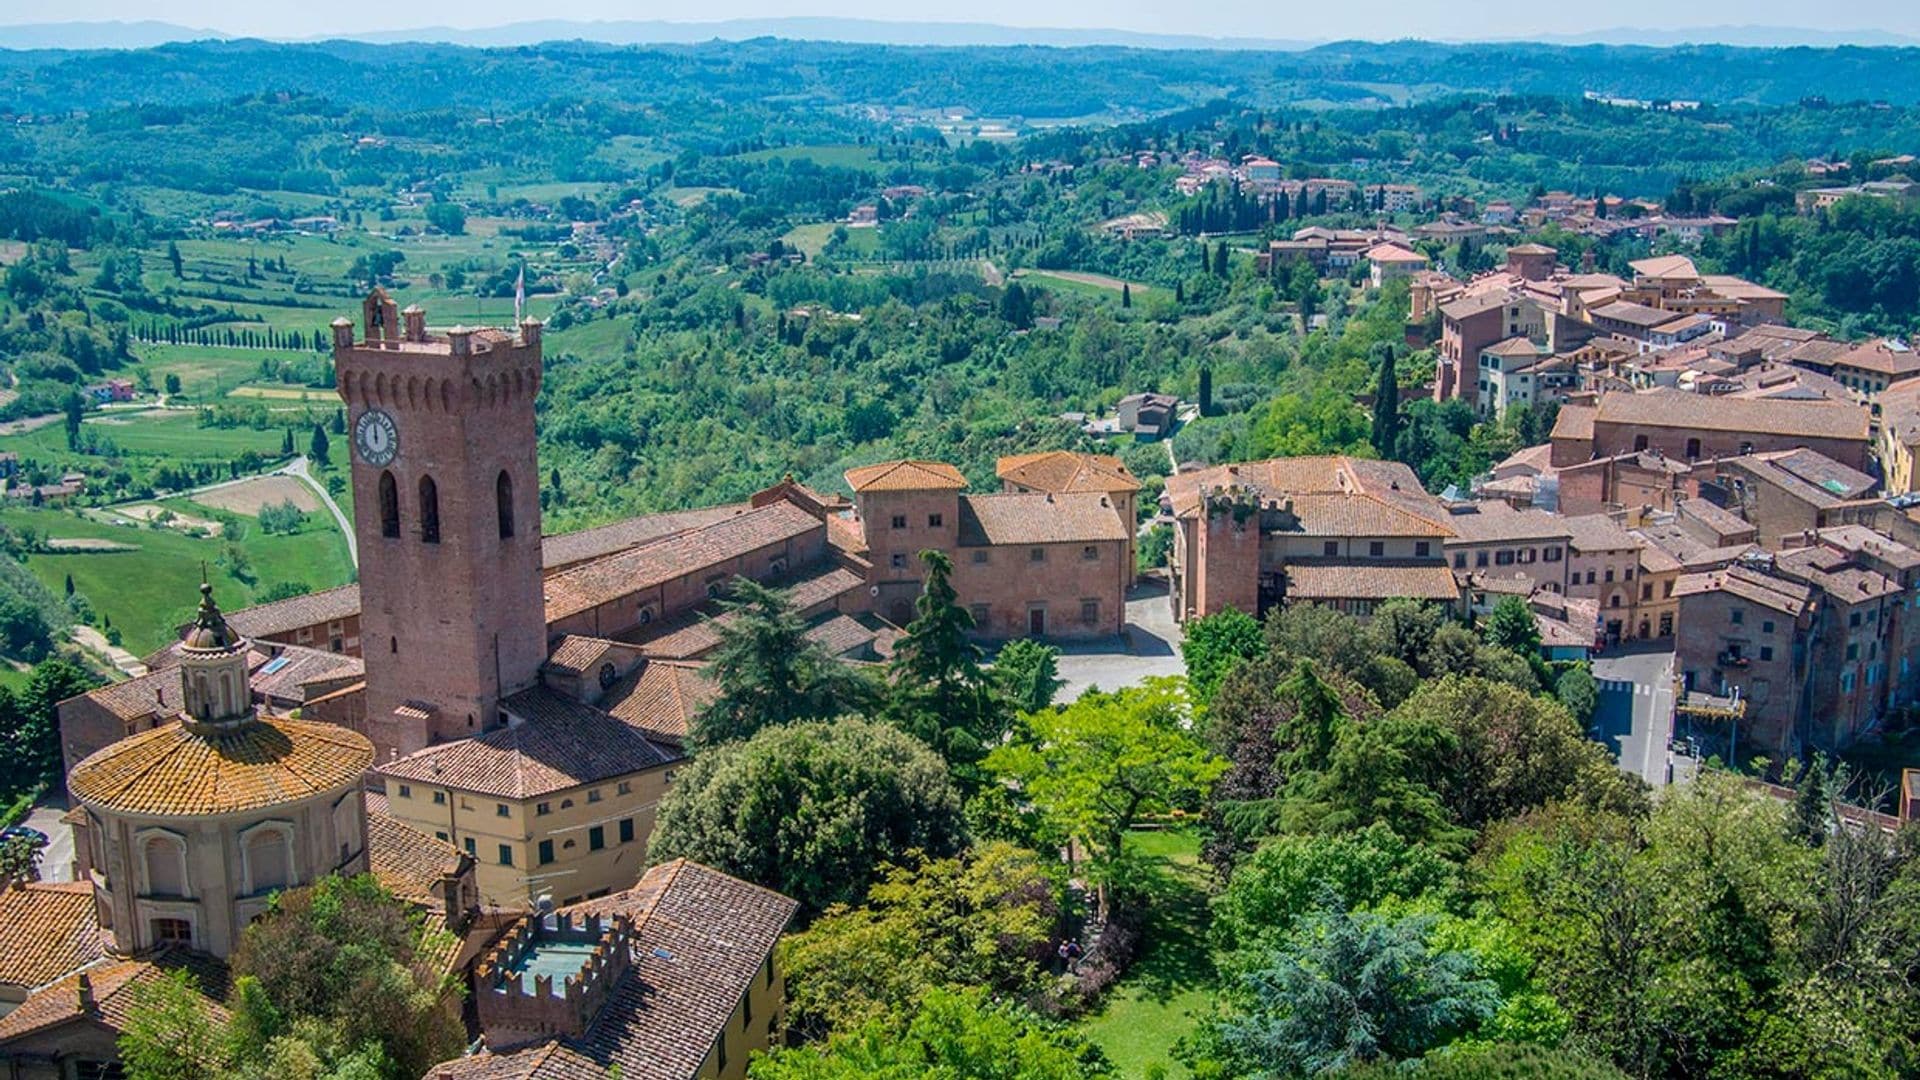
1162,996
150,591
810,238
1098,286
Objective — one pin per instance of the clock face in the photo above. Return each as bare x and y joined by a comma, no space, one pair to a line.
375,437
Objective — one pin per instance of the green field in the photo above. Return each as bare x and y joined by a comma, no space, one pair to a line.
1098,286
173,433
827,155
147,593
1162,995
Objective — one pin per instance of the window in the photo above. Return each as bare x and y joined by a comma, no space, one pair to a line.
1480,559
1627,573
546,852
1526,555
624,787
429,511
440,834
166,859
1330,549
593,795
1693,449
980,613
1459,559
899,521
1090,553
1089,612
1503,558
1846,682
1766,627
981,556
596,838
1423,548
646,615
1037,555
1615,601
898,560
503,503
1646,592
1639,443
1376,548
439,798
506,855
406,791
1853,651
1737,616
389,506
1853,619
468,844
268,853
542,809
1609,574
172,932
502,810
608,676
626,830
1766,652
933,521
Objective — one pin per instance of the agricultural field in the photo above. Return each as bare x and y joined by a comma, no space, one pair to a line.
833,155
172,435
146,592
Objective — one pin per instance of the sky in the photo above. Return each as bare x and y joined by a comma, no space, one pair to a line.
1278,19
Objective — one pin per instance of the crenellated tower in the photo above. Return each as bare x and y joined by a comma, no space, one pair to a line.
447,513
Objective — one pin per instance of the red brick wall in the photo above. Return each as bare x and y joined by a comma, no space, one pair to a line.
1010,585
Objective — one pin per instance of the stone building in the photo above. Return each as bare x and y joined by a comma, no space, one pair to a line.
1339,531
1493,540
673,979
1694,427
191,826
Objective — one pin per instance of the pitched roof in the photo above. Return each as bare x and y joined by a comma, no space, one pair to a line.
286,616
286,675
1774,417
1009,518
701,938
1835,573
1639,315
1513,346
113,984
1881,357
556,743
1061,471
906,476
559,552
1496,522
139,697
1598,532
1389,483
1779,594
1812,476
179,769
587,585
51,929
1370,580
1574,422
1665,266
692,634
1390,253
408,862
660,697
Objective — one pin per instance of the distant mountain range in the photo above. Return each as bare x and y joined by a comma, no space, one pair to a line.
146,34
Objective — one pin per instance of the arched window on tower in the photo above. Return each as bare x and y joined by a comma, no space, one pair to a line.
166,866
389,506
503,503
429,511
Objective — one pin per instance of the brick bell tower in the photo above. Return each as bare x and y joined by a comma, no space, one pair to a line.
447,512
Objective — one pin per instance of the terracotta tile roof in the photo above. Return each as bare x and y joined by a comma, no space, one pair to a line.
1468,306
846,535
1370,580
701,938
1679,409
1835,573
50,930
1859,539
906,476
113,985
1514,346
692,634
1496,522
1389,482
1787,597
1062,471
408,862
286,616
841,635
286,676
598,581
577,654
565,549
1812,476
1882,358
1361,516
1006,518
1394,253
140,697
556,743
1639,315
660,697
1665,266
173,770
1589,533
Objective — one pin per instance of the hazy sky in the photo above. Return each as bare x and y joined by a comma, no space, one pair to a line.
1378,19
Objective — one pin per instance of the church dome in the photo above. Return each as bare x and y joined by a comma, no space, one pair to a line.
184,769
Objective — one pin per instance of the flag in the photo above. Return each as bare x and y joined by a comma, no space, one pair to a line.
520,295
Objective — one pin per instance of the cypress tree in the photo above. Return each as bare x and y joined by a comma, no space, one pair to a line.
1386,406
1126,295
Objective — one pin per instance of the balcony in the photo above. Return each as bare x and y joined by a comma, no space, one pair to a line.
1734,660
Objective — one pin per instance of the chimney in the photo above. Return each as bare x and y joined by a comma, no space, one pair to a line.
416,322
85,991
